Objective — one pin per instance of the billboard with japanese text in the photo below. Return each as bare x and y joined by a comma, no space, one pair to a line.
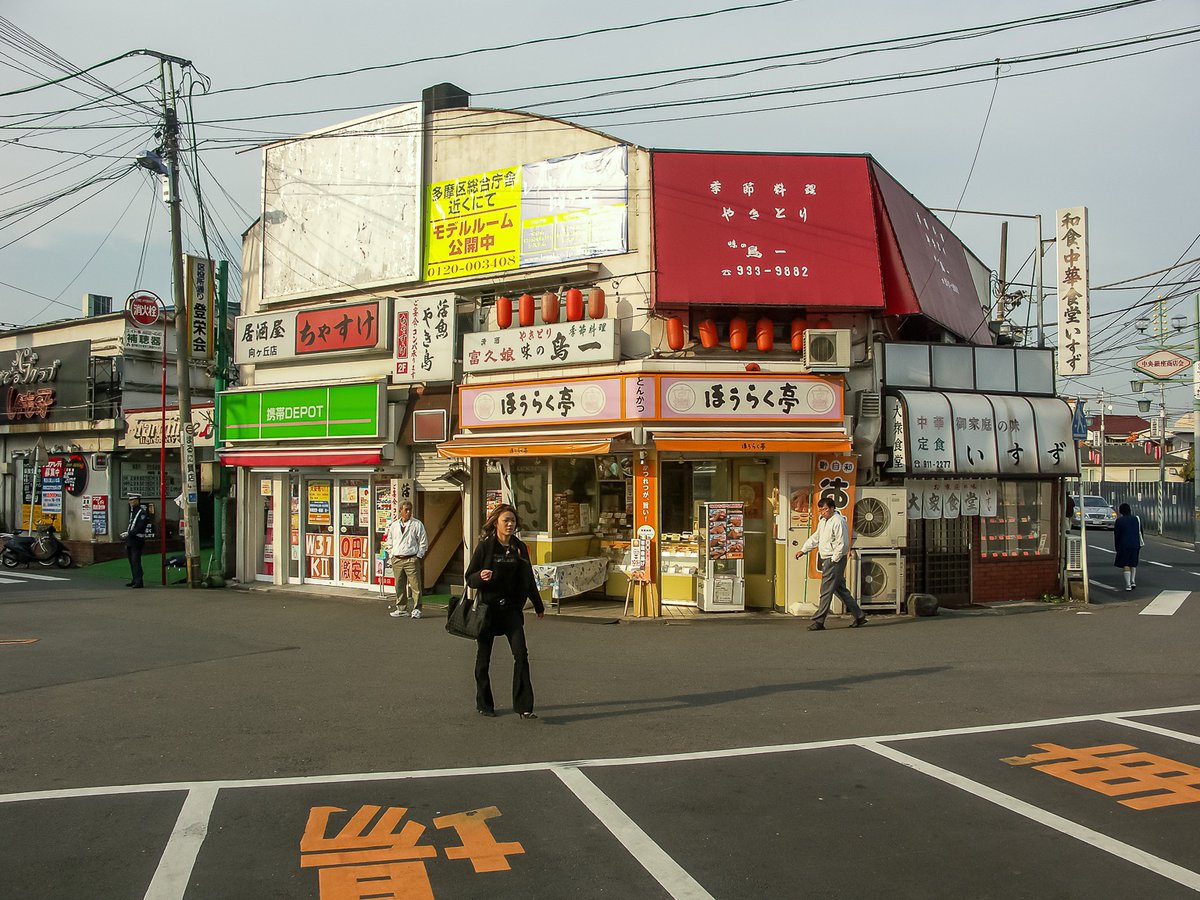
550,211
772,230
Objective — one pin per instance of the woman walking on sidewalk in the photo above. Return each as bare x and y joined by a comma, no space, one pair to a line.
501,571
1127,540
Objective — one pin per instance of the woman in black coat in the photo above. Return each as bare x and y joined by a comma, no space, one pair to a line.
500,569
1127,540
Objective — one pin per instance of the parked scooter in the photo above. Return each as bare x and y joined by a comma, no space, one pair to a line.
45,549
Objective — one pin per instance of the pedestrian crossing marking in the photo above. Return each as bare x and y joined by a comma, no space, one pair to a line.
1165,604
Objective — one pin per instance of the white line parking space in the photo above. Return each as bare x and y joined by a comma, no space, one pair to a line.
1165,604
212,820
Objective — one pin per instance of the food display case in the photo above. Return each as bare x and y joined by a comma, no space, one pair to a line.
721,582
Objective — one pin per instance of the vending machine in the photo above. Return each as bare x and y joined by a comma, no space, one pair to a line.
720,583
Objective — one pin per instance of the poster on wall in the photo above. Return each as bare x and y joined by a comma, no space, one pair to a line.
319,512
99,514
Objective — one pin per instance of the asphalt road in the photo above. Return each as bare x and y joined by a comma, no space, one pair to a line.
240,744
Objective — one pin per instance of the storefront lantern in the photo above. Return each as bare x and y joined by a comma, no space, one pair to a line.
549,307
675,335
823,322
504,311
764,335
799,326
574,305
525,310
709,337
596,303
737,333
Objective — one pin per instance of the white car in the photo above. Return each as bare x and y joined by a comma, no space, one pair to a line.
1098,511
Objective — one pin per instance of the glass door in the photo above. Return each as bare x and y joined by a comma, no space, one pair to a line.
319,537
354,532
261,487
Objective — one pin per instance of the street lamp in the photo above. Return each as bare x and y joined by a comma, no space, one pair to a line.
1135,386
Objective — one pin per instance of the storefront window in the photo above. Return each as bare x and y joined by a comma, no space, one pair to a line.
1022,526
684,484
354,531
530,489
751,489
574,495
294,537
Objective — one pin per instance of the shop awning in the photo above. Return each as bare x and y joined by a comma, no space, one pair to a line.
295,459
530,443
753,441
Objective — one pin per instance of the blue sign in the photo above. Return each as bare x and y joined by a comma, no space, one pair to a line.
1079,429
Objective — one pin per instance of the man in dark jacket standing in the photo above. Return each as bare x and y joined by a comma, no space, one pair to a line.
135,537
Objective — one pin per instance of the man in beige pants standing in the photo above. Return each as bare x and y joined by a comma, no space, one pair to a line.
407,544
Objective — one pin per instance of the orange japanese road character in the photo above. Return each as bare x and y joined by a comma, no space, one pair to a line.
1118,770
478,844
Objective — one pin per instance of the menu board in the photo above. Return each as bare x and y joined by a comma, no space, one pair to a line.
726,533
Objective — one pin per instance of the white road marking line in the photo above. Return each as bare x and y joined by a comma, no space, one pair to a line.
1105,549
734,753
179,857
10,581
674,879
1100,584
1165,604
1152,563
33,577
1153,729
1197,574
1119,849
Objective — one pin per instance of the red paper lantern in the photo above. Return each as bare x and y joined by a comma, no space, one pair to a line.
574,305
709,337
549,307
675,335
823,323
799,326
764,335
504,311
596,303
525,310
737,333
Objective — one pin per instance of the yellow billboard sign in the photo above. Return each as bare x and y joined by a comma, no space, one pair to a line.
474,225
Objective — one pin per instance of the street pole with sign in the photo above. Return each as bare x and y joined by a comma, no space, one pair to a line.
1079,433
143,310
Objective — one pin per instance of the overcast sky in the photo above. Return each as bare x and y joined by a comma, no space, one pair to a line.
1118,136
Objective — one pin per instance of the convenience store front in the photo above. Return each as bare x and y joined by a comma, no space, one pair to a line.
316,482
588,462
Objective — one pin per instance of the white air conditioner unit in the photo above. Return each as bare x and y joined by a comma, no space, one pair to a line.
827,349
879,518
879,579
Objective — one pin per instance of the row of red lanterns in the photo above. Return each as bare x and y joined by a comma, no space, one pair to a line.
764,333
526,307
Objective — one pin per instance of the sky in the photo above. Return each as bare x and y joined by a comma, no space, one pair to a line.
1112,128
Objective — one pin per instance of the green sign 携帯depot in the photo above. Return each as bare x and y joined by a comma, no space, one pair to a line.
337,411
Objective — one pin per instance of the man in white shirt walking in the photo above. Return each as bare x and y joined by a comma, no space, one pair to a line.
832,544
407,545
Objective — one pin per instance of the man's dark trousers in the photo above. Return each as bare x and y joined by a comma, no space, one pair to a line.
133,550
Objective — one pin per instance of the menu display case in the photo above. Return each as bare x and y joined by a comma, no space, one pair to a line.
721,582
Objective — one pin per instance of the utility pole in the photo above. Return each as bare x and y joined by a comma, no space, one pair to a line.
1196,434
183,374
1102,425
1162,459
1002,276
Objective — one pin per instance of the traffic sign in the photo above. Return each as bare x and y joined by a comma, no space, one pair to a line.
143,309
1162,363
1079,429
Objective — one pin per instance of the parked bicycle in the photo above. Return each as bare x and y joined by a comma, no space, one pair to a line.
44,548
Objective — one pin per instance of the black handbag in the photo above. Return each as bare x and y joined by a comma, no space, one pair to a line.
468,616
